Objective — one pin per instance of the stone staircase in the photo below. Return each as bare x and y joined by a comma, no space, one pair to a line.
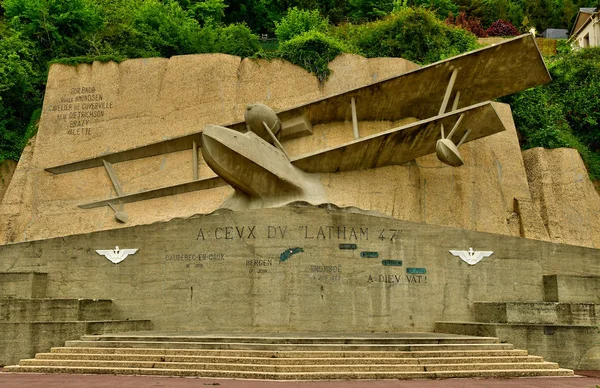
291,357
563,327
31,323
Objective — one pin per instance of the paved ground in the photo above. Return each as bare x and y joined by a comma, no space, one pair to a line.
8,380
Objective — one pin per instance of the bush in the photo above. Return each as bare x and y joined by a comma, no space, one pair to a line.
298,21
413,34
236,39
471,24
564,113
502,28
313,51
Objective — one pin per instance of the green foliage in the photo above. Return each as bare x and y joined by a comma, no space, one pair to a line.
365,10
563,47
413,34
577,83
19,94
259,15
161,29
236,39
74,61
442,8
206,12
564,113
313,51
298,21
59,27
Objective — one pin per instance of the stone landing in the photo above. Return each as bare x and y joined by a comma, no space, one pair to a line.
30,322
563,328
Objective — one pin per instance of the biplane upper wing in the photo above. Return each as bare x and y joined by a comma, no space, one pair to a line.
402,144
479,76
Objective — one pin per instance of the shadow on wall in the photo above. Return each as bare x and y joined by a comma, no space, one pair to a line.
7,169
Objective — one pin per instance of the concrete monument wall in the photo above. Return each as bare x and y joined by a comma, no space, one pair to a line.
297,268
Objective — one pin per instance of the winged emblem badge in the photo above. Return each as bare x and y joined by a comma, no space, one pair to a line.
116,255
472,257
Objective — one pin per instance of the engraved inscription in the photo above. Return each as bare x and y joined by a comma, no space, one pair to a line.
282,232
397,279
325,272
193,260
81,108
259,265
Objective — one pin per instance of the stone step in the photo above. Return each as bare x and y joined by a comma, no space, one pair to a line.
291,354
304,340
285,347
571,289
499,373
584,314
52,310
289,361
288,368
23,339
571,346
23,284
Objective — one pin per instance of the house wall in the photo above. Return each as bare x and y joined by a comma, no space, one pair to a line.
592,31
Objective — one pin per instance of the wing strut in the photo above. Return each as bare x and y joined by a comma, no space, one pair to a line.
277,143
448,92
354,119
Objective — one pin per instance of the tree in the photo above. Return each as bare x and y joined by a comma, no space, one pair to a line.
259,15
298,21
471,24
205,11
59,27
541,14
442,8
161,29
502,28
411,33
19,92
365,10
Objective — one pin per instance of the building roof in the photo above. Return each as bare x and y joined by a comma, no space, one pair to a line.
583,17
555,33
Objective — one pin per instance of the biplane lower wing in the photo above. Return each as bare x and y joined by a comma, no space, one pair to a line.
201,184
403,144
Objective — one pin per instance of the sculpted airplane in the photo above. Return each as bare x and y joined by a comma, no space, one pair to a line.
448,103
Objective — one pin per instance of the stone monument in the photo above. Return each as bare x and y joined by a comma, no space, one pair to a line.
243,196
